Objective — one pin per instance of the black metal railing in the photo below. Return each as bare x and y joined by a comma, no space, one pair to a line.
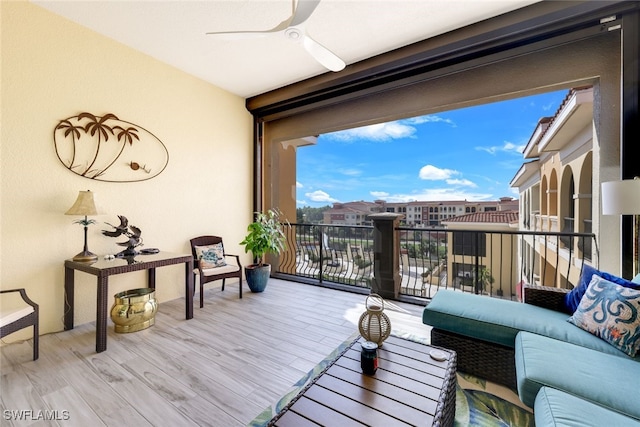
423,261
494,263
329,253
567,240
585,244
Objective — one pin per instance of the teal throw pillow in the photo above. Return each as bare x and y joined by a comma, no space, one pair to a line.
611,312
211,256
572,299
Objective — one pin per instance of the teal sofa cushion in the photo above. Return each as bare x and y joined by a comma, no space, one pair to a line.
555,408
589,374
499,321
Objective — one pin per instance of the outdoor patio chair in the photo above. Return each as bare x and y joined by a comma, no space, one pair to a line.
15,319
212,263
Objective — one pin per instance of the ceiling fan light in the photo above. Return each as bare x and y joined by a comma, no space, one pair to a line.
293,34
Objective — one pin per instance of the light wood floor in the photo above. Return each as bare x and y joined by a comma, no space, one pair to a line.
222,368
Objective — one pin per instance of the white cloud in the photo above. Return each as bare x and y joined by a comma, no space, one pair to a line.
350,172
462,182
320,196
430,172
382,132
377,132
430,119
507,147
379,194
299,184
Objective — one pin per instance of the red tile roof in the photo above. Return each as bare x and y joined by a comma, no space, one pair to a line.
499,217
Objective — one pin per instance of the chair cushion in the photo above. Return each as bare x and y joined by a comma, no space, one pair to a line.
8,316
211,256
611,312
572,299
555,408
229,268
600,378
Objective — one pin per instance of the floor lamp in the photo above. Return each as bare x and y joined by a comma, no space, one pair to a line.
623,198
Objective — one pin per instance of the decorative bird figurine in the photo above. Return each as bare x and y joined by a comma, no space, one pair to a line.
120,229
123,230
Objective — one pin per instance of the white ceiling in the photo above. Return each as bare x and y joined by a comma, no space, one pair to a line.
174,32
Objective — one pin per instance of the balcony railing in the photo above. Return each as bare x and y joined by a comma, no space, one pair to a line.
585,244
329,254
494,263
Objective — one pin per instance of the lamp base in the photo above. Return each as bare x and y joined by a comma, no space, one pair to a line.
86,256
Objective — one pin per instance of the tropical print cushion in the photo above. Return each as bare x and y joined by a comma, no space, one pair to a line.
211,256
611,312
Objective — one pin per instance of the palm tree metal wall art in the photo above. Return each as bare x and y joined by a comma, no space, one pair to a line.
106,148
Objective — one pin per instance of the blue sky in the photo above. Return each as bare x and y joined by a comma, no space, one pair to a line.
470,153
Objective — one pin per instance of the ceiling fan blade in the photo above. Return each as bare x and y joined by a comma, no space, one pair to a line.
239,35
303,11
323,55
246,35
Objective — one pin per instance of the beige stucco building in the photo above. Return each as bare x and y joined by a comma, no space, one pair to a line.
555,186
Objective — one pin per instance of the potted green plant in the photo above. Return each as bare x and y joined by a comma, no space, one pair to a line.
265,236
485,279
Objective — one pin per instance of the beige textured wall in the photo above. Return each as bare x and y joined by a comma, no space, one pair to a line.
53,69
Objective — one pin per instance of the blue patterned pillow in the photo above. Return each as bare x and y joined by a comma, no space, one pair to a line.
611,312
211,256
572,299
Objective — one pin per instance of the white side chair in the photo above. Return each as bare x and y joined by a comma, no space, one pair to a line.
15,319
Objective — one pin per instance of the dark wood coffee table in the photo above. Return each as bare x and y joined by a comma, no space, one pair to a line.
409,388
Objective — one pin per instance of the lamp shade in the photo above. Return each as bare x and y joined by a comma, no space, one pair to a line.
85,205
621,197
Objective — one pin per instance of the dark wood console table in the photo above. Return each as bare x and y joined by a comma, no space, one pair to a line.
102,269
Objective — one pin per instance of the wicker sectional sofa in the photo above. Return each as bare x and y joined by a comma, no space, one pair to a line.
567,375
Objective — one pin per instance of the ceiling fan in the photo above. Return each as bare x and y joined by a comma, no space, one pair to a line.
294,29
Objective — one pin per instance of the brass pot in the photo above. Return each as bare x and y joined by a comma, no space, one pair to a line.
134,310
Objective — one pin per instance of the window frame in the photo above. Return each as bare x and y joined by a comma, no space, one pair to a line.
301,108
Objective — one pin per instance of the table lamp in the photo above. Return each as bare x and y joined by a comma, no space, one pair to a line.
85,206
623,198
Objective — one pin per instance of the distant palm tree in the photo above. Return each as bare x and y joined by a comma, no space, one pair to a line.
73,130
97,125
127,135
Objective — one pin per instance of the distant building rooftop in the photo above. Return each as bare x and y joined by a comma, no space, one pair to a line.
498,217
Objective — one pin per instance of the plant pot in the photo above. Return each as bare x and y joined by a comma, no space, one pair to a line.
134,310
257,276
